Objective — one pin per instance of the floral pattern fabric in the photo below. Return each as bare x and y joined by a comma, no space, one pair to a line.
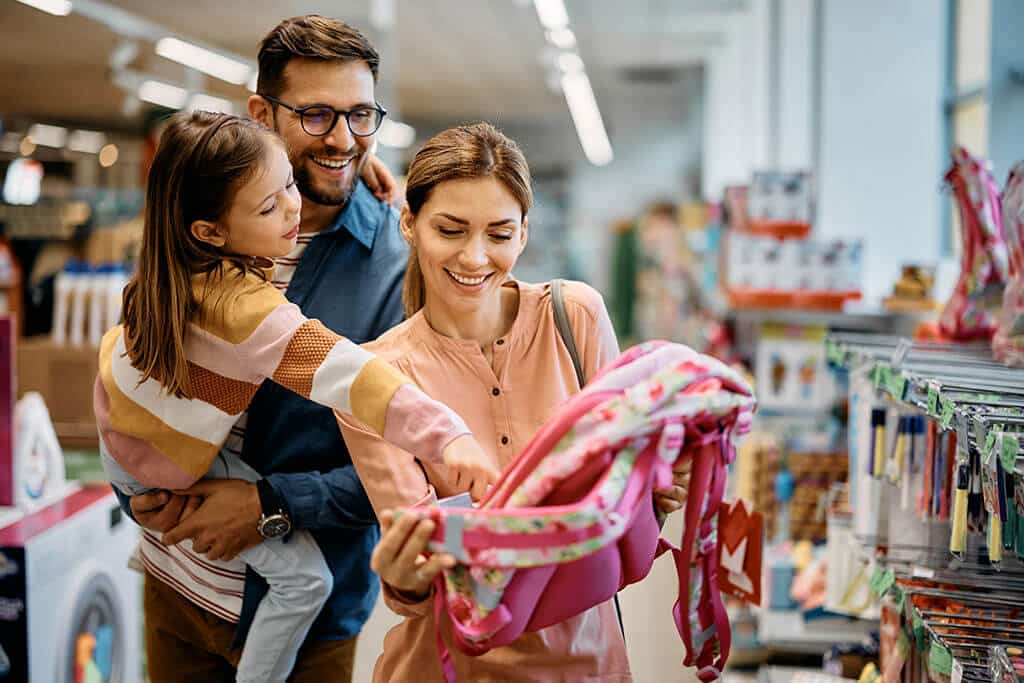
661,401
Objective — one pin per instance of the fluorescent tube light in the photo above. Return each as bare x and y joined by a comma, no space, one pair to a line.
164,94
48,136
587,118
562,38
551,13
204,60
210,103
86,141
60,8
395,134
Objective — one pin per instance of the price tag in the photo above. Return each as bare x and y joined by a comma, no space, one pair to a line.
940,660
876,579
900,596
957,673
946,418
886,582
898,387
933,400
1008,450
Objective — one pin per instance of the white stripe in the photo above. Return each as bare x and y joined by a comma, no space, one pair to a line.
210,587
333,379
190,416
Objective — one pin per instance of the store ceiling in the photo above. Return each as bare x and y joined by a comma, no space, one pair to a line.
454,59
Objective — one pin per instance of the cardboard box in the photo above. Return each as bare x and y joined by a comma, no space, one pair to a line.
64,375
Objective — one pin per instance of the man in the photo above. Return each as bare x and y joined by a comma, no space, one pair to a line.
316,89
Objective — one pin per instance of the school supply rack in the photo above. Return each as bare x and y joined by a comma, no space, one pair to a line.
937,453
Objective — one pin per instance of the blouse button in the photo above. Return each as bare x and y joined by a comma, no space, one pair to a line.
500,342
495,391
504,441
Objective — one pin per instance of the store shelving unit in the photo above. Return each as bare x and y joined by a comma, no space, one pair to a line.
954,607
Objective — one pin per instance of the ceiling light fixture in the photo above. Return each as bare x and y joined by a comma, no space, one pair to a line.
108,156
587,118
551,13
48,136
60,8
164,94
204,60
210,103
86,141
562,38
395,134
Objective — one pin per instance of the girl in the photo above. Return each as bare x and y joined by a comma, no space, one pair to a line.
203,327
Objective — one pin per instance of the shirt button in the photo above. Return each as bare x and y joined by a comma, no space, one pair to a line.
500,342
504,441
495,391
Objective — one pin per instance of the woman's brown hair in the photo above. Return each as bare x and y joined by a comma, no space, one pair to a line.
201,162
475,151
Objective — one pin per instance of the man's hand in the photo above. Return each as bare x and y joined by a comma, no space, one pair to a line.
224,523
160,511
379,180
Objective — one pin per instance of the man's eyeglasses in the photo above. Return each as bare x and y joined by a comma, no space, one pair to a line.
319,119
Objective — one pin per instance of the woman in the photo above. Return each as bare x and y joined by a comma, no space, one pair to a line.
486,345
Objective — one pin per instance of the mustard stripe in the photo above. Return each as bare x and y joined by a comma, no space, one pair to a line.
372,390
335,379
233,309
191,455
254,358
189,416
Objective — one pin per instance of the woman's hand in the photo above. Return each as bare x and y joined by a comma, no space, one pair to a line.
398,558
673,498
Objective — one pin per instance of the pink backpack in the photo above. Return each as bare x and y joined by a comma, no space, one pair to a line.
571,521
1008,342
970,313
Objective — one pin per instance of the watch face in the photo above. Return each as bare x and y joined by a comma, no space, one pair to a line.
275,526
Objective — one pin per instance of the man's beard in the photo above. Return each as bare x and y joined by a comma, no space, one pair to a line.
334,196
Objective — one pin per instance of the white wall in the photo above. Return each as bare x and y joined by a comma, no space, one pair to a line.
736,114
794,104
881,139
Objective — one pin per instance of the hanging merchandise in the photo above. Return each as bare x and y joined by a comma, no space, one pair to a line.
971,312
1008,342
948,424
570,522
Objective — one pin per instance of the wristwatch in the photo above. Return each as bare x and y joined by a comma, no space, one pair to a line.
274,522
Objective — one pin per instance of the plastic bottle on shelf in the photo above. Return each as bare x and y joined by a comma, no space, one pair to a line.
97,288
79,297
116,281
63,287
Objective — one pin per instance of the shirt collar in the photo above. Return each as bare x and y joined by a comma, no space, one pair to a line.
360,217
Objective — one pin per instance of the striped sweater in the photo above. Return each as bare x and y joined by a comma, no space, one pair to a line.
246,332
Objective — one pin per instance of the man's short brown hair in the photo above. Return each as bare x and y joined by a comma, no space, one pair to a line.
310,37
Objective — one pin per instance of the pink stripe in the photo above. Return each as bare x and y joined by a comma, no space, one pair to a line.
158,546
137,457
254,359
418,424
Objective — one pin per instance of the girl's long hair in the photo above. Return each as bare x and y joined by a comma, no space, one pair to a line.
201,162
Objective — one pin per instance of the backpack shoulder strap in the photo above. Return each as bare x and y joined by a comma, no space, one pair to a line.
569,339
565,329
